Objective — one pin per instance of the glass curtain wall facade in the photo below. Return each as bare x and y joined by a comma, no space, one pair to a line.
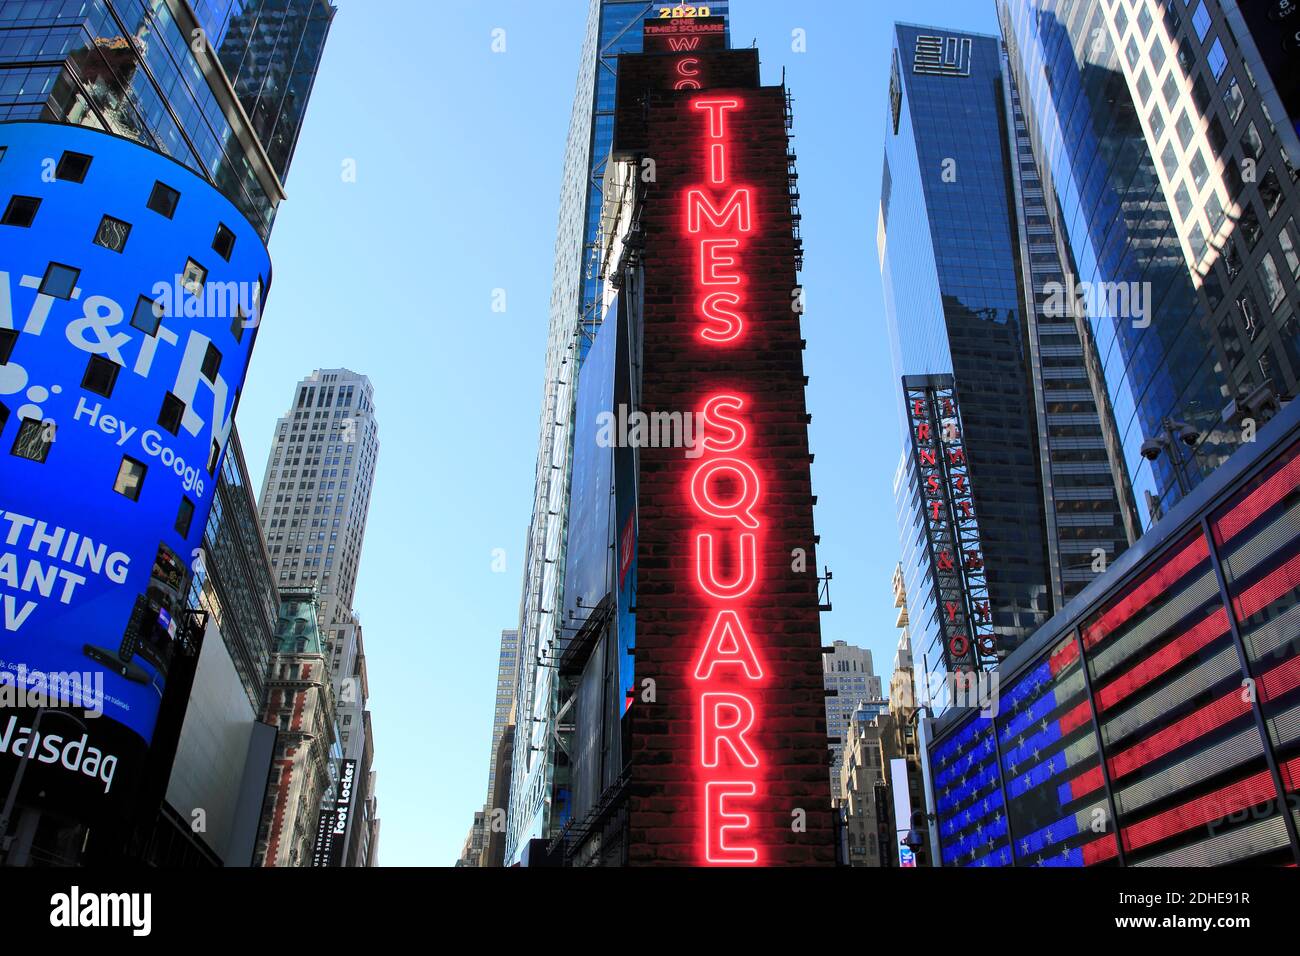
1167,698
613,27
213,17
128,66
234,582
950,269
1087,504
271,50
1173,184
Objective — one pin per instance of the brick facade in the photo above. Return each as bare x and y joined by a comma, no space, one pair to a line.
764,366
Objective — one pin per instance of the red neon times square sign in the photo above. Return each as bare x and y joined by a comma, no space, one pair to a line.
730,761
726,503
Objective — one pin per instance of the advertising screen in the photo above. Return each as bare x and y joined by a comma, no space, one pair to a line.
130,292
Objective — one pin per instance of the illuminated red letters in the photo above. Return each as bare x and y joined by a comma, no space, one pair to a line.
688,67
728,643
725,493
719,819
746,576
724,719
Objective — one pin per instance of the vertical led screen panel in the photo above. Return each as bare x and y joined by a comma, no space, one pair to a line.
130,292
1183,753
1050,766
971,811
1257,539
729,761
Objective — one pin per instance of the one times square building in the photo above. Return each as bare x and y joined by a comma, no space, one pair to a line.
143,148
537,802
688,674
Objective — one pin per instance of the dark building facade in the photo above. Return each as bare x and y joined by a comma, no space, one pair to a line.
1153,722
271,50
691,663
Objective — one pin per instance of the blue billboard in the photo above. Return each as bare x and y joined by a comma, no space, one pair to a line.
130,295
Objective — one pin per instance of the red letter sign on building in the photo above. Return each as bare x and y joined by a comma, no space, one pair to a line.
729,761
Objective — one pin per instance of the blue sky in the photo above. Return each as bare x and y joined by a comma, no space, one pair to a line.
458,153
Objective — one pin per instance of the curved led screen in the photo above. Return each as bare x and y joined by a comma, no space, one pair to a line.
130,293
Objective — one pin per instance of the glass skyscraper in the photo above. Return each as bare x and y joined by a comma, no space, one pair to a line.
130,67
969,260
1150,153
613,27
948,260
1170,166
271,50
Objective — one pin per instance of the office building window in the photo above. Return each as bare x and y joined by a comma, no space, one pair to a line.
163,200
1218,138
1286,239
1170,90
1157,55
1251,144
100,376
1200,172
1234,100
1270,281
1270,192
72,167
1249,226
20,211
1201,21
1157,123
130,478
1218,60
112,234
1169,160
